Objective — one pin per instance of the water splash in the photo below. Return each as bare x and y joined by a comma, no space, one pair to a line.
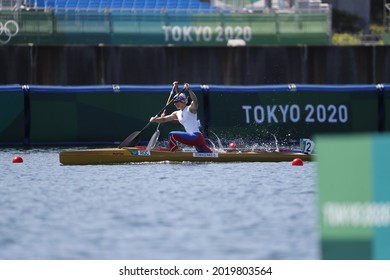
218,140
276,142
212,144
272,145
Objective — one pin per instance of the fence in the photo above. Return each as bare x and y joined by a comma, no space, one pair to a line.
85,115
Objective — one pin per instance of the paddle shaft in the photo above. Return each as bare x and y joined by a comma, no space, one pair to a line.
153,140
169,99
162,110
134,138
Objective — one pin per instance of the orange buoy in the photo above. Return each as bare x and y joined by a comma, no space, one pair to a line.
297,162
232,145
17,159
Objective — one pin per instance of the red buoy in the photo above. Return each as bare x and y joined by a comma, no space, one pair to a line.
17,159
232,145
297,162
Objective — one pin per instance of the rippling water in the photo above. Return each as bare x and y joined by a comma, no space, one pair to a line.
155,211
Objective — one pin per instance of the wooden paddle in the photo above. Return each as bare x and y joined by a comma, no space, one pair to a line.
134,138
153,140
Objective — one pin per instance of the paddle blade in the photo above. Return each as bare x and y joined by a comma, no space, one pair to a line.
131,140
153,141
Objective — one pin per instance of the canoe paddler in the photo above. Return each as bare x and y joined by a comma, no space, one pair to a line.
187,116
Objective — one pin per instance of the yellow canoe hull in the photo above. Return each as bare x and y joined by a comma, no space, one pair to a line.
134,155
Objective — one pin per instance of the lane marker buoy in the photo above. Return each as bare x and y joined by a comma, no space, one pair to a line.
232,145
297,162
17,159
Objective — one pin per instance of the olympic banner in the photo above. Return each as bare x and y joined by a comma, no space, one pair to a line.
108,114
291,111
163,29
8,30
354,196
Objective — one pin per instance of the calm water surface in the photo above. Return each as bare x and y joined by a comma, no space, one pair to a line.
155,211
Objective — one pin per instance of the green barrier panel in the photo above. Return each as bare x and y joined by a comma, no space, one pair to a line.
55,114
354,196
385,112
128,27
11,114
96,114
311,28
181,29
291,112
386,38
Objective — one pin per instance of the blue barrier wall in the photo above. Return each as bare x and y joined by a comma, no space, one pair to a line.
85,115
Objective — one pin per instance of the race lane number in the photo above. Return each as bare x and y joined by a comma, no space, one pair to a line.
307,146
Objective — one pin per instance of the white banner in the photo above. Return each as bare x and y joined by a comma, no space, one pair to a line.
194,269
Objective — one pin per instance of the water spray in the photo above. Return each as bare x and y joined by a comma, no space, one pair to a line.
218,140
276,142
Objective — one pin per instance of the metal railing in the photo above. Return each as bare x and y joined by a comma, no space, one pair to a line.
270,6
10,5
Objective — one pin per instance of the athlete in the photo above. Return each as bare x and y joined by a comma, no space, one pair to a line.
187,116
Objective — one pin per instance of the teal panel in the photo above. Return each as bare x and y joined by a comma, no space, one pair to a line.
97,113
53,117
381,177
346,249
11,114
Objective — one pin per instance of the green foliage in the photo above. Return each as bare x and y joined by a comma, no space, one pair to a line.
375,37
345,39
376,29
